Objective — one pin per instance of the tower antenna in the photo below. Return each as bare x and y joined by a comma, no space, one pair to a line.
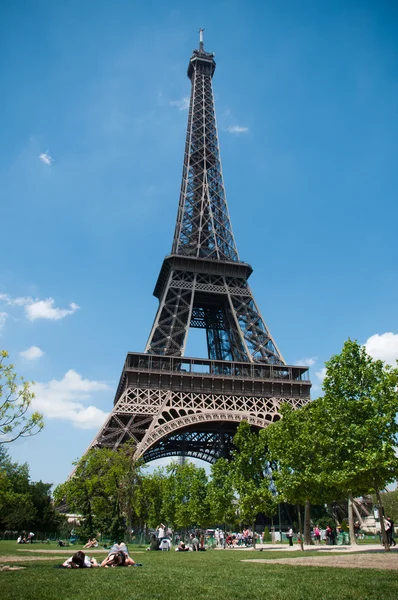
201,30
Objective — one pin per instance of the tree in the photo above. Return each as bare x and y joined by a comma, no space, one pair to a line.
47,518
296,448
103,490
149,499
249,475
24,504
15,401
185,502
360,406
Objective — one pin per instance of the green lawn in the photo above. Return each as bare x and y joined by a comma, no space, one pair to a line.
215,575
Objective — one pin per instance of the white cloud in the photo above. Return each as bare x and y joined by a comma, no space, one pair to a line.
46,158
182,104
64,399
3,319
15,301
32,353
45,309
321,374
307,362
236,129
40,309
383,347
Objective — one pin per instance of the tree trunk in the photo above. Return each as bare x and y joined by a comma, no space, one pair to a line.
300,527
382,528
353,539
307,524
358,514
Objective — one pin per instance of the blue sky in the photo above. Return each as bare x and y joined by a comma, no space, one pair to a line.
93,119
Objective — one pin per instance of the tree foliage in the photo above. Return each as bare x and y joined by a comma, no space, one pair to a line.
15,400
24,504
102,490
342,444
185,496
221,493
361,403
149,499
296,446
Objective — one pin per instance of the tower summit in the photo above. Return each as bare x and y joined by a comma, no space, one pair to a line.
176,406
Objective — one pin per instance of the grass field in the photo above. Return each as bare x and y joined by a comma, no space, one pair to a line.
169,575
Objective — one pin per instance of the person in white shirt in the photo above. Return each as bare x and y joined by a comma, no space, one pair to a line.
290,536
160,532
80,561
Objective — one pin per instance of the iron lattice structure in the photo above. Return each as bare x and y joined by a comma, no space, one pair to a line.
175,406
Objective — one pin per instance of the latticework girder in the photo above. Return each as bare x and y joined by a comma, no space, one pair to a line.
203,226
152,415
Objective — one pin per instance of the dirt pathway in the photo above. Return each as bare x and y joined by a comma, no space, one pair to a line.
349,561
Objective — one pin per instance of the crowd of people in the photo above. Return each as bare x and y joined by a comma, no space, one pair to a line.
161,540
118,555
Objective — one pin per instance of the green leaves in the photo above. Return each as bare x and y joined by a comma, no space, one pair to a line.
185,500
24,504
103,489
361,393
343,443
221,493
15,401
249,474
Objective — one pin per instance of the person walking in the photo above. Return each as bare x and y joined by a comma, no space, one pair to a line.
290,536
217,537
328,535
221,538
391,532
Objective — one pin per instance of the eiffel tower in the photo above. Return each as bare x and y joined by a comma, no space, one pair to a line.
172,405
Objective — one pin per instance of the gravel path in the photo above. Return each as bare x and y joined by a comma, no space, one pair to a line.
349,561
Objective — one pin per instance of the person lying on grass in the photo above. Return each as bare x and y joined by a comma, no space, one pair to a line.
124,559
80,561
117,559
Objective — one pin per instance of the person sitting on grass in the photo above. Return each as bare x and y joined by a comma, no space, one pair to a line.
194,542
154,545
80,561
117,559
21,539
92,543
